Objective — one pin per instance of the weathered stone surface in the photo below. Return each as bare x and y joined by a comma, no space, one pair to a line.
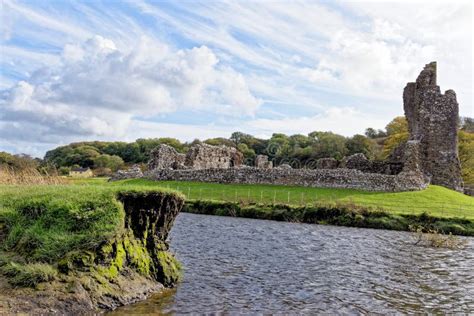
164,157
336,178
432,120
284,166
132,173
203,156
396,160
326,163
356,161
412,161
261,162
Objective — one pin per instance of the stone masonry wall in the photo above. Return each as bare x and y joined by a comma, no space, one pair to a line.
329,178
203,156
164,157
432,120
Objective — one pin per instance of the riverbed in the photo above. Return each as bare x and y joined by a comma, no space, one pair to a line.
255,266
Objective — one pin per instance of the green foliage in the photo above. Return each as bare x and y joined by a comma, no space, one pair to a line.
18,161
436,200
328,144
372,133
467,124
29,274
109,155
46,222
361,144
107,161
334,214
397,125
248,153
466,156
297,150
219,141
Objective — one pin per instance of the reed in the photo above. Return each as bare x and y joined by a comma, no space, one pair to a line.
28,176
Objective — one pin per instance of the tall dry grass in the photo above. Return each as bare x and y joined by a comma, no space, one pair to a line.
28,176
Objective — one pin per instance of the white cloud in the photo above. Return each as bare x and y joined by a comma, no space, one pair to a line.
345,121
299,58
97,89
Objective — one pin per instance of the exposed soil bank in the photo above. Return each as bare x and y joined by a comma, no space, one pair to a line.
125,267
337,214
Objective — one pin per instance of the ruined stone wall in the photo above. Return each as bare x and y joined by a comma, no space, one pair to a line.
203,156
335,178
432,120
262,162
132,173
164,157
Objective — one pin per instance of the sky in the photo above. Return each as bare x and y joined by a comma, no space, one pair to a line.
121,70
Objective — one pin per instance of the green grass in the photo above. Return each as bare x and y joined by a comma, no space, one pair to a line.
435,200
46,222
28,274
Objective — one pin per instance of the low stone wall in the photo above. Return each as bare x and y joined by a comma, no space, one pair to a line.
327,178
132,173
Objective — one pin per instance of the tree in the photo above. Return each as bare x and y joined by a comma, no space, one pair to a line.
397,131
239,137
115,148
361,144
328,145
173,142
107,161
249,154
467,124
21,161
370,132
466,156
397,125
132,153
220,141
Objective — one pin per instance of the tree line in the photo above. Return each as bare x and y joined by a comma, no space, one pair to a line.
297,150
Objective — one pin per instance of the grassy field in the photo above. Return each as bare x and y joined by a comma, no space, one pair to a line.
436,200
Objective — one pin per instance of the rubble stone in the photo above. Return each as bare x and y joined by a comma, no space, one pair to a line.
326,163
164,157
132,173
335,178
204,156
261,162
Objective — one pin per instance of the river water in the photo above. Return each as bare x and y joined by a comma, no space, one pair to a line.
237,265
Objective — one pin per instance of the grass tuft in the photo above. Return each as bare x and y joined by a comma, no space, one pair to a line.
28,274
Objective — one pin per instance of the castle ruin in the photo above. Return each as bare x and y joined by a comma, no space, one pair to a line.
429,156
433,121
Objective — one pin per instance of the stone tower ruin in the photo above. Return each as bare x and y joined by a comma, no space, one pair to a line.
433,121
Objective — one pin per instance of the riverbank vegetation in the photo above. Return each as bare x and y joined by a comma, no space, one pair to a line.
338,214
435,200
79,235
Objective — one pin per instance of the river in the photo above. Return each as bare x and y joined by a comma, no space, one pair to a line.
254,266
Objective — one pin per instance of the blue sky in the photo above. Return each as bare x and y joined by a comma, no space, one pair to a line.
121,70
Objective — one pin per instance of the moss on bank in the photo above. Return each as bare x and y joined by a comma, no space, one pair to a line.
102,238
334,214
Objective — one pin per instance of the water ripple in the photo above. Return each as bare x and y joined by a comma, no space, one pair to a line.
235,265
